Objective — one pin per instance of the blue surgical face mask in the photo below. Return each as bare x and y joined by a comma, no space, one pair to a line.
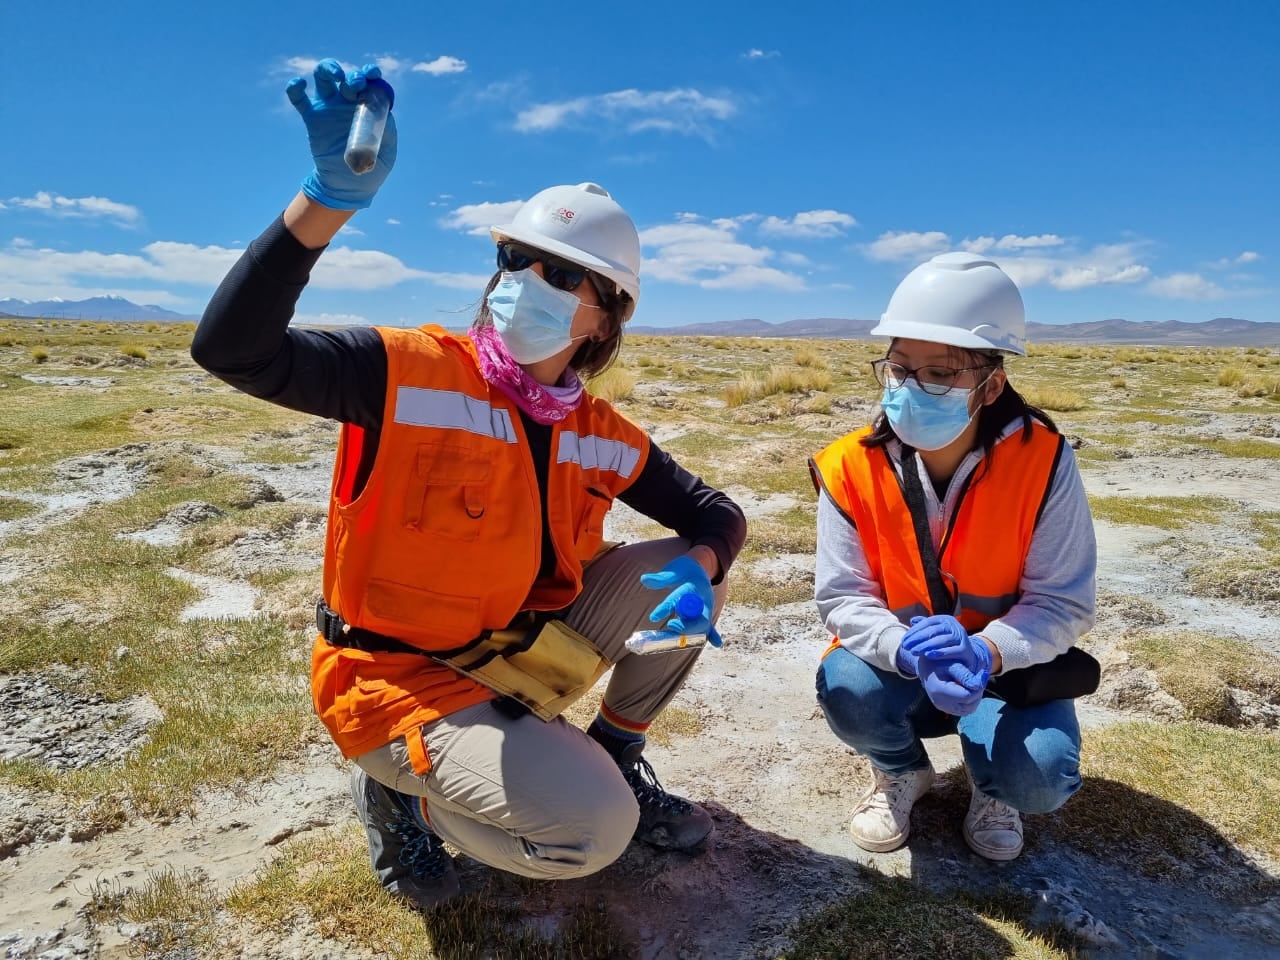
532,317
924,421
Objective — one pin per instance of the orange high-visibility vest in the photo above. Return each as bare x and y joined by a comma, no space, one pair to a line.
984,548
443,541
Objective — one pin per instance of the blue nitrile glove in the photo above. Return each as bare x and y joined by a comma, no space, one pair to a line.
687,577
328,119
944,639
951,687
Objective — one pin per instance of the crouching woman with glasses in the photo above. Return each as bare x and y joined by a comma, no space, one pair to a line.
955,569
469,595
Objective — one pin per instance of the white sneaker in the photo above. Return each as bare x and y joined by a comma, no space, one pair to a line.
992,829
882,818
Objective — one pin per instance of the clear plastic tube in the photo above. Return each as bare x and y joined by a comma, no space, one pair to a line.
657,641
370,120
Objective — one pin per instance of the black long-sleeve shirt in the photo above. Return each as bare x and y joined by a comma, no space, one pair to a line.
244,339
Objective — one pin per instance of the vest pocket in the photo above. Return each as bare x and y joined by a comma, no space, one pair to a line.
394,606
589,534
449,491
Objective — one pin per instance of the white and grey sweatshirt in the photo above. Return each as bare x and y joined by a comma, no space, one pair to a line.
1056,605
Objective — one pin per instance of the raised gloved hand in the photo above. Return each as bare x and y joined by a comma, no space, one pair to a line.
328,119
951,687
684,577
943,639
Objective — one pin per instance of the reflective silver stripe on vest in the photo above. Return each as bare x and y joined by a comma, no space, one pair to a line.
988,606
450,410
592,453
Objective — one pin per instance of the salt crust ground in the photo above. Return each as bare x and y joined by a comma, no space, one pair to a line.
777,782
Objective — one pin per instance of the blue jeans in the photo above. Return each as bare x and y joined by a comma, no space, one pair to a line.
1028,758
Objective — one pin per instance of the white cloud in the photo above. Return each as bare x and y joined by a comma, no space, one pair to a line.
1228,263
330,319
1079,277
687,217
978,244
441,66
81,207
711,256
1185,286
477,218
1013,242
753,277
812,223
1066,269
795,259
678,110
393,221
907,245
47,273
755,53
347,230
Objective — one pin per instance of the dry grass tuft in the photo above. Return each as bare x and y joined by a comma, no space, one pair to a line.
1200,671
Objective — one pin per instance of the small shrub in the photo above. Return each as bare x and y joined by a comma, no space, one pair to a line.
1053,398
807,357
131,350
613,385
39,354
1230,377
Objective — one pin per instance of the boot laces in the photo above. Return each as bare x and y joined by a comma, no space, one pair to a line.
649,793
995,815
421,851
886,793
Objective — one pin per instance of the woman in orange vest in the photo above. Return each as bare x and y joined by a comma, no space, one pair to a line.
466,524
955,569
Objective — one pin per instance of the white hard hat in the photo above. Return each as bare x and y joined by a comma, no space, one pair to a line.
960,299
584,225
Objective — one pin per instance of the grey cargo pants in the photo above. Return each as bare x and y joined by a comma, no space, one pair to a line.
542,799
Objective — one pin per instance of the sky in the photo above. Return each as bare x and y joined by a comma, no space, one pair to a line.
780,161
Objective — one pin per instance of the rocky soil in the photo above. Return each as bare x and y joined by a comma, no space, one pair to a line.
778,783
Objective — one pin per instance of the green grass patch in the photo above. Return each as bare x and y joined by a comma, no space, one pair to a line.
177,910
892,917
1166,513
327,879
1243,447
1252,578
1198,670
12,508
1169,797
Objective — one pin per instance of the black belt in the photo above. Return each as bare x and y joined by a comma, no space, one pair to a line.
339,633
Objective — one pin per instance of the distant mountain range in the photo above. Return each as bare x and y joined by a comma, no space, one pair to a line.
1220,332
95,308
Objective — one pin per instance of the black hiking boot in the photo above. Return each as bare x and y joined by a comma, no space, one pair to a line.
410,861
666,821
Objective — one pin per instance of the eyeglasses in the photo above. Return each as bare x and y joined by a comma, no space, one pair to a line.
561,274
935,381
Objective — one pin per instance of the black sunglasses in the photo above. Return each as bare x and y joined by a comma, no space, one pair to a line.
561,274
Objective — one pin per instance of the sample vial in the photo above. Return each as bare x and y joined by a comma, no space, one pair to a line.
365,139
656,641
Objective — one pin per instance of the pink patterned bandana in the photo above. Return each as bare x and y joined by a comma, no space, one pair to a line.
545,404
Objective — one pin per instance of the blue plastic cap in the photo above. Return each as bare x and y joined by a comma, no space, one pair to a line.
689,605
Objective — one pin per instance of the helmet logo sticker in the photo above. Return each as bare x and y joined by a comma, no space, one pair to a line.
565,215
